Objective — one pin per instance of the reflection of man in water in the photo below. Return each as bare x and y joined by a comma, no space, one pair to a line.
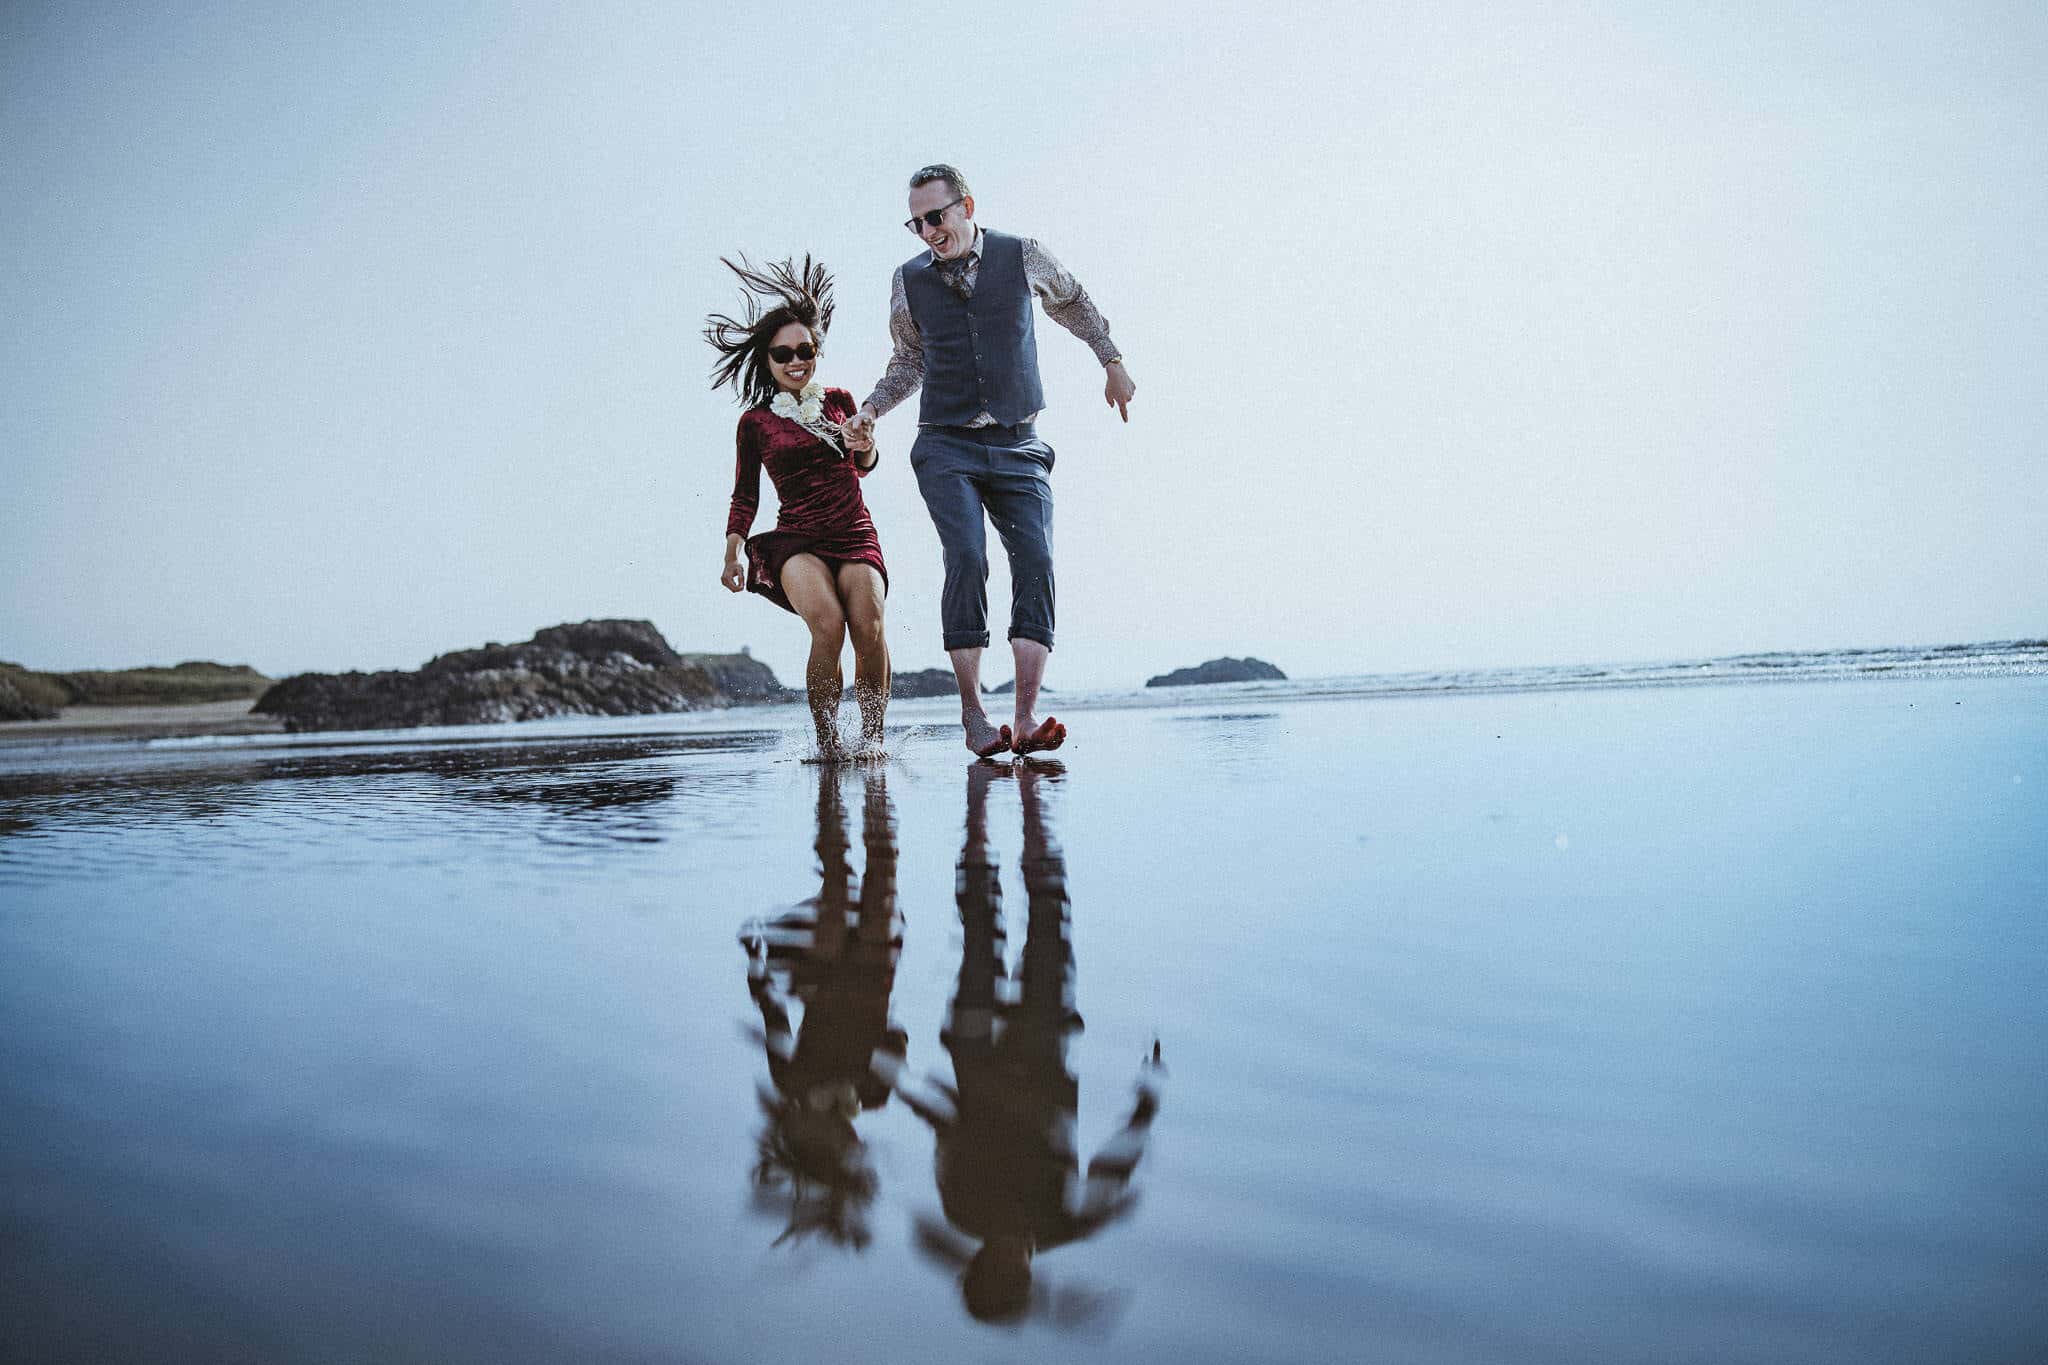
1007,1165
836,954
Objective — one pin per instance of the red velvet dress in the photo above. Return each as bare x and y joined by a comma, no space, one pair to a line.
818,486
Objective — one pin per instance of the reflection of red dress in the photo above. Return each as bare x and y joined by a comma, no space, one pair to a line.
818,486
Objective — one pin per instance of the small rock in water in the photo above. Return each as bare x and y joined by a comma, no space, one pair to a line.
1220,671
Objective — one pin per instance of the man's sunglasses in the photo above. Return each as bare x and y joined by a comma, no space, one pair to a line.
932,218
782,355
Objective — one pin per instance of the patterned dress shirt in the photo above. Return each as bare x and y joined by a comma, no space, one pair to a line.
1066,303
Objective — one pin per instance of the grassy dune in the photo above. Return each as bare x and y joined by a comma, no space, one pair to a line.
26,694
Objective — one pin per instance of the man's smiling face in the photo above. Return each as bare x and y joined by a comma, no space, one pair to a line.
954,236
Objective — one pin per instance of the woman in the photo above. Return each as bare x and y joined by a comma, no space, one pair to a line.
822,560
835,955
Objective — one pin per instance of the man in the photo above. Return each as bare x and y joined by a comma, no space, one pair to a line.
1008,1170
960,316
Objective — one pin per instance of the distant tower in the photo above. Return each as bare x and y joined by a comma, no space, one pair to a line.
746,653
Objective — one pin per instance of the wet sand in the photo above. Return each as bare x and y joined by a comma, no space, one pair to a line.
1690,1024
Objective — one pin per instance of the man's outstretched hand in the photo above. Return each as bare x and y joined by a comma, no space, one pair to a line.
1118,390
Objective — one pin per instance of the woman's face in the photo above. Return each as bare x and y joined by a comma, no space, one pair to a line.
792,374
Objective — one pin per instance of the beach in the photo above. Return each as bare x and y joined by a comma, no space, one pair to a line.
140,723
1617,1023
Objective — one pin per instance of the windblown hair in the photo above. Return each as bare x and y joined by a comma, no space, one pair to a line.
939,170
817,1165
772,297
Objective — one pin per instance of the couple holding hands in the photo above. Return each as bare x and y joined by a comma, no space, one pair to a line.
960,318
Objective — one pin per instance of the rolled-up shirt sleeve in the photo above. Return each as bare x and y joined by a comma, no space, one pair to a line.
906,363
1066,302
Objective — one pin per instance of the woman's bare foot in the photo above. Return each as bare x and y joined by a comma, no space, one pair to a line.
831,749
1033,738
985,739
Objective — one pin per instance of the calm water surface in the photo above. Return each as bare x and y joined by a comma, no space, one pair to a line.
1679,1025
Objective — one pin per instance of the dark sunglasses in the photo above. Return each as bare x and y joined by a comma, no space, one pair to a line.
931,219
782,355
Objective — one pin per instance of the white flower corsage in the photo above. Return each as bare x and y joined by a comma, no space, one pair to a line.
807,410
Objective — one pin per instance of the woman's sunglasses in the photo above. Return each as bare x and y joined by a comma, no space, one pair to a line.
931,218
782,355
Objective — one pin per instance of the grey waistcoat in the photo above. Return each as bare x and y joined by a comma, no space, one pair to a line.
980,354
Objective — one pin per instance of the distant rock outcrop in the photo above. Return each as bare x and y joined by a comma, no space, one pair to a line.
924,682
939,682
592,668
742,678
1220,671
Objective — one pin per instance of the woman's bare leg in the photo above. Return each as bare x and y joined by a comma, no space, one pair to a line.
808,585
861,595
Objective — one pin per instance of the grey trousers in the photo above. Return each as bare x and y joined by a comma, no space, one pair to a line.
1001,473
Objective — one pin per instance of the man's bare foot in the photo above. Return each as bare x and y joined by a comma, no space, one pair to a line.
1048,735
984,739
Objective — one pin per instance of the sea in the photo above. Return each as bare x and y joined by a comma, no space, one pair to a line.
1677,1012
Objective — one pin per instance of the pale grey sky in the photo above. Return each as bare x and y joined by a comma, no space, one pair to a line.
335,337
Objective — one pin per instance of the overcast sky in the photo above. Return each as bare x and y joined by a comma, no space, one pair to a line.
339,336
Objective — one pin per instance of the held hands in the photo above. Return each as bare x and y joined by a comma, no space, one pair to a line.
859,429
1118,390
860,436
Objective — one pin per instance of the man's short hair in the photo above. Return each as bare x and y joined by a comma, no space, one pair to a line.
955,181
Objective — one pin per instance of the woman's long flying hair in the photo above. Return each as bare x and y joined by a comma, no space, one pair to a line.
772,297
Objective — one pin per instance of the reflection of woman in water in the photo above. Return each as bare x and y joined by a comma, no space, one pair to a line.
1008,1171
822,560
836,955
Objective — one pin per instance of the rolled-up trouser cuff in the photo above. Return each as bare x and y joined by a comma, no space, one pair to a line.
967,640
1043,637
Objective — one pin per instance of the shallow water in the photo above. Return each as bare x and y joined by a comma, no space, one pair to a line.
1685,1024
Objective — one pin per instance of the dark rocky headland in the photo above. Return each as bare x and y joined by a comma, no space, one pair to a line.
589,668
924,682
592,668
1220,671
